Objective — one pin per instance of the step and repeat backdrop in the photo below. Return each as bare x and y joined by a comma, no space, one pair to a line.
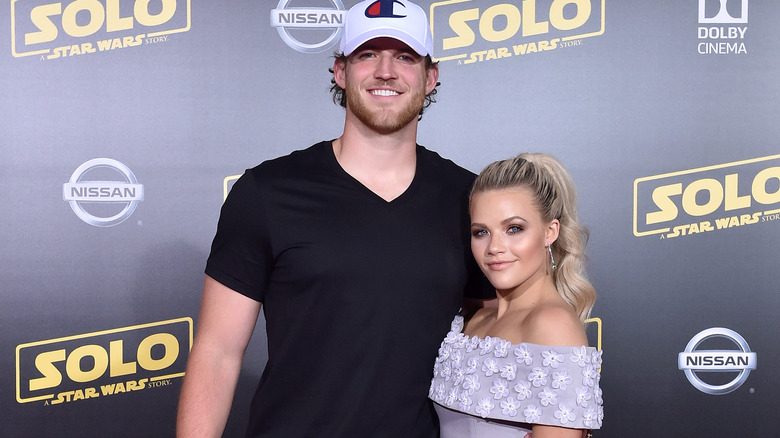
124,123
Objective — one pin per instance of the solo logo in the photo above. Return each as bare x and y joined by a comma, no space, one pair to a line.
708,199
719,29
77,27
84,188
227,184
102,364
591,325
470,31
693,361
309,29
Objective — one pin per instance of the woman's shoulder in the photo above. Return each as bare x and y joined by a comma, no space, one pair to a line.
549,324
554,324
477,321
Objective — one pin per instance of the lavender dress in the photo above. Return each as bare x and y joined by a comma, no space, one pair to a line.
489,387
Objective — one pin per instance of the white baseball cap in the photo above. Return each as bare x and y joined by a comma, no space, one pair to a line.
401,20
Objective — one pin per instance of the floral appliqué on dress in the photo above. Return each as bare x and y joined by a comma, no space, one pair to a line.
540,384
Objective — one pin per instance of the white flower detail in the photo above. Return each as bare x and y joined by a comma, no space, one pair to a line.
452,396
471,365
583,395
590,418
509,407
440,393
457,324
509,371
589,374
538,377
456,357
486,345
472,344
490,366
597,358
597,395
444,353
580,356
445,370
552,358
471,384
452,337
464,401
500,389
523,390
564,413
457,376
523,355
484,406
502,348
560,380
548,397
532,414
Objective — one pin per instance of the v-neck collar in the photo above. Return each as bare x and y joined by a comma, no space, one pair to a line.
363,188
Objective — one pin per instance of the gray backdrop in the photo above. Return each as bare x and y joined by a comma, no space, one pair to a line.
121,120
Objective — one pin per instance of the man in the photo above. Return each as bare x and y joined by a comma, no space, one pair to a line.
358,251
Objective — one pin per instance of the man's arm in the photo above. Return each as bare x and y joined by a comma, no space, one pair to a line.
227,320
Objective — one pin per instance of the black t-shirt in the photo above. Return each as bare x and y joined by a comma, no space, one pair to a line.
357,292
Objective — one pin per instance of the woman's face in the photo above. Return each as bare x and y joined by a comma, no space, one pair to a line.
509,237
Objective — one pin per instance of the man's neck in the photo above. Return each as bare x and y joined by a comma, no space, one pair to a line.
384,163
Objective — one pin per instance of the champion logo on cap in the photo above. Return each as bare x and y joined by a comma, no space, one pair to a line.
383,9
401,20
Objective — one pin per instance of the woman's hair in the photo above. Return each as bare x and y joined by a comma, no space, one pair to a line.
554,194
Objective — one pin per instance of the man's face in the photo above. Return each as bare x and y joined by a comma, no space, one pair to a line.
386,83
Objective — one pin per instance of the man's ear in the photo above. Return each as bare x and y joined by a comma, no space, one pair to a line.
432,79
339,73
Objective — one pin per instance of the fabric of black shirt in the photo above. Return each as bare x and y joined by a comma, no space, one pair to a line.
357,292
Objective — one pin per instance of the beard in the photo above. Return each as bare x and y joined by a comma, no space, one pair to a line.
384,119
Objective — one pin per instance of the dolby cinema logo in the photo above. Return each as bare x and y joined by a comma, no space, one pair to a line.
103,192
725,369
723,27
723,11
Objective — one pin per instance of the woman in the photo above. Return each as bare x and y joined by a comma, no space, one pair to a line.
523,365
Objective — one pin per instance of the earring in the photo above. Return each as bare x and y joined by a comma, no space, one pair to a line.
552,260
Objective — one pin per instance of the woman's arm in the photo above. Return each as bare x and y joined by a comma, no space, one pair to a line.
541,431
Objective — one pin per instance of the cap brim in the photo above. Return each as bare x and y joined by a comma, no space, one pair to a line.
401,36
